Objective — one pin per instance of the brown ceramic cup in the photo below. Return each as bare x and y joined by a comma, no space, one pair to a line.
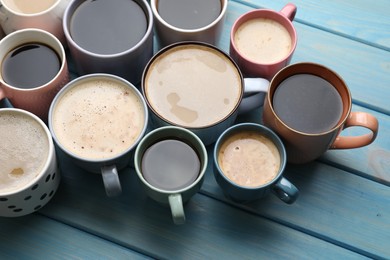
303,146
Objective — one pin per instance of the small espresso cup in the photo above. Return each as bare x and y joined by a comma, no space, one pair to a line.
188,20
97,120
33,70
249,161
170,163
263,41
29,175
106,37
43,14
309,105
199,87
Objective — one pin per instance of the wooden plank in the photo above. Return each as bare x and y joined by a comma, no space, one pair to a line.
361,20
334,205
213,230
38,237
365,69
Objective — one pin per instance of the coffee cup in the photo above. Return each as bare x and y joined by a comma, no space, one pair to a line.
187,20
29,176
110,38
199,87
43,14
170,163
97,120
263,41
33,70
316,111
249,162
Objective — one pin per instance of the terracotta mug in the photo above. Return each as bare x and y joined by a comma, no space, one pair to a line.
263,41
317,109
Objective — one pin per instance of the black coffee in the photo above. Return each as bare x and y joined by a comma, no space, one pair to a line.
308,103
189,14
170,165
108,27
30,65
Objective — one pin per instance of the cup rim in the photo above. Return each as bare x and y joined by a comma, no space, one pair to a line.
251,127
238,22
32,14
203,158
50,150
73,5
33,32
181,30
76,82
322,67
195,43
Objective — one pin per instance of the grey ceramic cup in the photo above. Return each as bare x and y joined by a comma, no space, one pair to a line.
168,34
279,186
128,64
175,198
107,167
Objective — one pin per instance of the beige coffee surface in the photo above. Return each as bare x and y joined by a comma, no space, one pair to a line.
29,6
193,86
249,159
24,150
98,119
263,40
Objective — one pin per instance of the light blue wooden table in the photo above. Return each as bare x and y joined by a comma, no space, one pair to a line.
343,211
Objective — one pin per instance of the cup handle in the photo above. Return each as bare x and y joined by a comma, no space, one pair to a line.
2,94
111,180
289,10
285,191
255,90
3,16
177,209
358,119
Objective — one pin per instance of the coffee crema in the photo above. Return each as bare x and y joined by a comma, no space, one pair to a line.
24,151
170,164
193,86
249,159
263,40
98,118
308,103
30,65
28,6
189,14
101,27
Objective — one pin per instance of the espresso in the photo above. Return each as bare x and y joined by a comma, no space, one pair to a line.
189,14
28,6
30,65
24,150
170,165
98,118
249,159
101,27
263,40
308,103
192,86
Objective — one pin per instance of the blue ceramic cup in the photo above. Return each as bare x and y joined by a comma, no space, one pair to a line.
249,161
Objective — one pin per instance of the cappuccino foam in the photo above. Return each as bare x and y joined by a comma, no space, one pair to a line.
193,86
249,159
28,6
24,150
263,40
98,118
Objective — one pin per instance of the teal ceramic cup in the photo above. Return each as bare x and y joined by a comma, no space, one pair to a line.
170,162
249,161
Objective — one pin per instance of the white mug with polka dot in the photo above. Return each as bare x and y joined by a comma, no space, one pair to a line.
29,175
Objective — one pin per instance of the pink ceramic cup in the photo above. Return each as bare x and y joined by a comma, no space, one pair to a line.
36,100
250,66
